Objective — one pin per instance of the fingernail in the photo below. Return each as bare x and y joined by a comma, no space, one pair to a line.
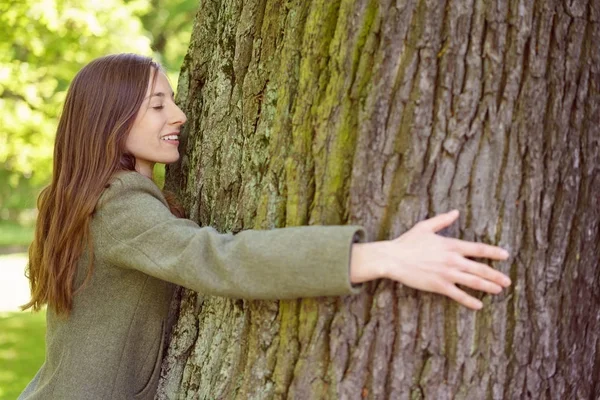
505,253
507,281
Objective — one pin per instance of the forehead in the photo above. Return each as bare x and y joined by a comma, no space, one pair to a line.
161,85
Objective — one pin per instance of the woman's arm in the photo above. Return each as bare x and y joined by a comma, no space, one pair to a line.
135,230
424,260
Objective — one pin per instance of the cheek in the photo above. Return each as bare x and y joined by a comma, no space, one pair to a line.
130,142
136,142
144,134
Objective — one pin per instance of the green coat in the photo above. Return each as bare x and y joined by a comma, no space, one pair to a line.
111,346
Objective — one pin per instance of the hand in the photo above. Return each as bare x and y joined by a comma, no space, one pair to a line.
424,260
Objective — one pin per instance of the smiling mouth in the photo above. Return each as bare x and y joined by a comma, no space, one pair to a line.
171,137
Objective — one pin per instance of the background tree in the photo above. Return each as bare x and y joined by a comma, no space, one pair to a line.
169,24
383,113
42,46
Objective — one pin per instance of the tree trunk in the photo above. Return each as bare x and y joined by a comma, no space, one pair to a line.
383,113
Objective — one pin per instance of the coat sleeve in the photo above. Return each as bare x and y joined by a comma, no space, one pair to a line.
138,231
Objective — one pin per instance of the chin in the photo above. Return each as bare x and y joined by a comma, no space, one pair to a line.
171,160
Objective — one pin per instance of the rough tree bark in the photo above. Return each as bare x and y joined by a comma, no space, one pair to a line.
382,113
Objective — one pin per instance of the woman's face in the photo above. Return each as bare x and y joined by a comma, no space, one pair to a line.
155,133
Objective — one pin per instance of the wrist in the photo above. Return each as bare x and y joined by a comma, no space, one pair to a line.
368,262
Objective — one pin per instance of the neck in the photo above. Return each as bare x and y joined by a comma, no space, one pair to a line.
145,169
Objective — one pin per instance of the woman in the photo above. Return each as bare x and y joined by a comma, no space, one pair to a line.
108,249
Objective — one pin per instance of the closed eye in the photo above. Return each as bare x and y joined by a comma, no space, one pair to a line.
158,107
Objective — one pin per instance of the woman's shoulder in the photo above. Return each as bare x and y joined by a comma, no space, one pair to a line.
130,178
129,183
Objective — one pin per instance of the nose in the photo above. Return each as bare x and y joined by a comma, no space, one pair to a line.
177,117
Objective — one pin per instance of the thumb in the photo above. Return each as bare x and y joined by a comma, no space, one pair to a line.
438,222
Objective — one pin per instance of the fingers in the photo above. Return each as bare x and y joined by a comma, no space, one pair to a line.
483,271
438,222
480,250
476,276
475,282
462,297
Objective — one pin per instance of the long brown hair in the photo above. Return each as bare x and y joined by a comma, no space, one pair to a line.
99,111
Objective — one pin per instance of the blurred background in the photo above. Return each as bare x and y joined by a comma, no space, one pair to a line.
43,44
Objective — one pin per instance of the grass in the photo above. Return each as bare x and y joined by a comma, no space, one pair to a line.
14,234
22,343
22,348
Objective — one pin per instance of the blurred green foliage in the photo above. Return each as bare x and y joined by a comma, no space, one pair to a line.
43,43
15,234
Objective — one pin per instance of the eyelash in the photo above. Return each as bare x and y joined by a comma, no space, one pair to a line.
158,107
